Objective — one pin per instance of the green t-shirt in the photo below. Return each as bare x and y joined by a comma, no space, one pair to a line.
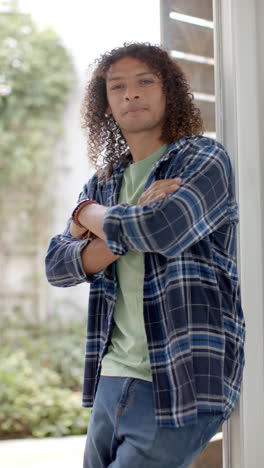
127,354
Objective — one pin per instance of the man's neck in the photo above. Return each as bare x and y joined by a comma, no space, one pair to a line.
142,145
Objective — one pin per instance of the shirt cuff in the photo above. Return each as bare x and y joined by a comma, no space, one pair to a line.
78,246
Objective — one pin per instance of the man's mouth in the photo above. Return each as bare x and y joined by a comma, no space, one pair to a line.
135,110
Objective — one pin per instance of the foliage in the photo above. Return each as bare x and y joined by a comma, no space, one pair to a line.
32,404
41,364
41,370
51,344
35,77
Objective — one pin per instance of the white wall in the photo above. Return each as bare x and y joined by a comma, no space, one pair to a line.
240,45
260,91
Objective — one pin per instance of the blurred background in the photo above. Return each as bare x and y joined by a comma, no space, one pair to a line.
46,47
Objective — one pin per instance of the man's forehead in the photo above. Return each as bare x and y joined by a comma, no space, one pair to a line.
128,66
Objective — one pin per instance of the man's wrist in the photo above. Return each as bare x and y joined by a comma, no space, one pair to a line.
77,211
83,215
92,217
76,214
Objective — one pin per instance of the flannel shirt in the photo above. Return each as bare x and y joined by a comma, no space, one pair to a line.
193,318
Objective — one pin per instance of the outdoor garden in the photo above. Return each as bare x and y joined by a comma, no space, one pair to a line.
41,358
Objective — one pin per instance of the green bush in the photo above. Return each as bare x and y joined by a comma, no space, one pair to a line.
33,404
50,344
40,387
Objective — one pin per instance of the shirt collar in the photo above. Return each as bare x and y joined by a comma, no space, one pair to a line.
120,166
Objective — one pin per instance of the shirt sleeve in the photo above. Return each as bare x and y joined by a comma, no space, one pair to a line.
173,224
63,261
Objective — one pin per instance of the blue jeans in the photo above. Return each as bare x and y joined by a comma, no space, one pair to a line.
122,432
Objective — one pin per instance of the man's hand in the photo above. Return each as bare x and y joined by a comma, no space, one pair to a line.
77,231
159,189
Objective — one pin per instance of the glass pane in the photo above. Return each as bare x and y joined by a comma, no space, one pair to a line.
187,30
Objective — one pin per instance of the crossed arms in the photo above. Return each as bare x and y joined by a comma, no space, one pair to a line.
165,222
96,255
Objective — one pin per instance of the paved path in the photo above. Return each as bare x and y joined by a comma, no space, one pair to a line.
65,452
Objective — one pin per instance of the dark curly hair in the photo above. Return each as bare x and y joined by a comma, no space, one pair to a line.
106,144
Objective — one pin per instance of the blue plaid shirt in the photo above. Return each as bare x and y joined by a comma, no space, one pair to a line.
193,318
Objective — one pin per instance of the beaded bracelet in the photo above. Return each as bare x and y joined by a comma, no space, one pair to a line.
78,209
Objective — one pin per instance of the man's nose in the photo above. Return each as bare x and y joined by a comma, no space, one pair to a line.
132,92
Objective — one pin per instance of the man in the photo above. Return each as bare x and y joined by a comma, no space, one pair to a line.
154,232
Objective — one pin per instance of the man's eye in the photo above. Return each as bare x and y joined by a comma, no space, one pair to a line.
116,86
146,82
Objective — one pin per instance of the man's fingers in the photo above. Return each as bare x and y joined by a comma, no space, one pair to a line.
159,189
147,200
159,184
166,182
155,195
164,187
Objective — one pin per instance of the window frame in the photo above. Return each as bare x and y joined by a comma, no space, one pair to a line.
238,112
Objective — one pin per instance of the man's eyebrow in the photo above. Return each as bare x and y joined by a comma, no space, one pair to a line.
114,78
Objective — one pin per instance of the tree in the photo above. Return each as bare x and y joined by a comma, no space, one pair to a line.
35,76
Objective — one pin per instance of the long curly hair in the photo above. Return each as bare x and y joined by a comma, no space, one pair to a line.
106,144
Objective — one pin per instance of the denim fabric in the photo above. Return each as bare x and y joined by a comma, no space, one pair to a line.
123,434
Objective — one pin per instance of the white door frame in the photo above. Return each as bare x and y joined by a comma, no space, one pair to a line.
238,111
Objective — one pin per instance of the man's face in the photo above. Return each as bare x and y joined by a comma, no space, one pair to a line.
135,96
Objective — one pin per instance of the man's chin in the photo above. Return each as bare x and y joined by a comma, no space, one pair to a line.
136,127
